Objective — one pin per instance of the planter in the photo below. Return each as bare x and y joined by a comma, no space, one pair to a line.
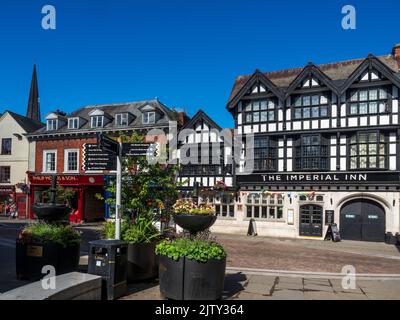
32,257
142,262
195,222
51,212
191,280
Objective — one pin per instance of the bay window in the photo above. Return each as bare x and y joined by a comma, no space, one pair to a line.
367,151
264,154
311,153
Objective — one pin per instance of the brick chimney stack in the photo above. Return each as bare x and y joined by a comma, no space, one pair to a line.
396,53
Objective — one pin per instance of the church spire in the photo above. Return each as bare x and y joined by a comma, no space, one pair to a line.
33,111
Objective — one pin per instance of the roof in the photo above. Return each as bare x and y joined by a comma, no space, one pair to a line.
26,123
111,110
336,71
201,115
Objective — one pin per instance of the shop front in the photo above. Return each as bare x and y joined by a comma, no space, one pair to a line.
82,190
7,200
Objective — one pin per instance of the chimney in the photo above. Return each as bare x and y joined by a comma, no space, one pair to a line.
396,53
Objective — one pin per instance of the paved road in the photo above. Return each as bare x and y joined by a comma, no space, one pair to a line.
8,234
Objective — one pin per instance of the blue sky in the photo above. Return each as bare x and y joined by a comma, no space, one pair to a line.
185,52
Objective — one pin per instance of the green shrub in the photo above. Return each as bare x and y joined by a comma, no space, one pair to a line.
193,249
142,231
49,233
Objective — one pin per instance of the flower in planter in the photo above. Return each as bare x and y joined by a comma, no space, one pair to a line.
193,249
189,207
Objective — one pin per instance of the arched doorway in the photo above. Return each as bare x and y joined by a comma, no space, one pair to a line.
362,219
310,220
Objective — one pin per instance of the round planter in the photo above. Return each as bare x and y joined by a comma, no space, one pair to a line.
142,262
194,222
51,212
191,280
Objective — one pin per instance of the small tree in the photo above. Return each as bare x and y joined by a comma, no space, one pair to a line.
145,186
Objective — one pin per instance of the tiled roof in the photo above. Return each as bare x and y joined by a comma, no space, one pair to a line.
27,124
337,71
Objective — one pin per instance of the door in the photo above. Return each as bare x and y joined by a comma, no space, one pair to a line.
21,205
362,220
311,220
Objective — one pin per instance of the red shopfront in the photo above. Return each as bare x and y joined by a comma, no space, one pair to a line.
86,206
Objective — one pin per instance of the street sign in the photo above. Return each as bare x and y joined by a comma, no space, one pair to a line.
96,159
138,149
107,144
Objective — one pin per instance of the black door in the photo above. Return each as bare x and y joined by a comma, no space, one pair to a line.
311,220
362,220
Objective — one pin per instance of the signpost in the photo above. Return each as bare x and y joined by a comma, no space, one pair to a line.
97,159
118,150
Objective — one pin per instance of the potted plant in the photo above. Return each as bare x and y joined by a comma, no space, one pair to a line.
191,269
44,244
193,217
142,237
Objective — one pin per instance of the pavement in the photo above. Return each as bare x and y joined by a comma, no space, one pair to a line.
264,268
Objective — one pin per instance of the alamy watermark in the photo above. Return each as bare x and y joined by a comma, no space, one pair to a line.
49,21
349,21
49,280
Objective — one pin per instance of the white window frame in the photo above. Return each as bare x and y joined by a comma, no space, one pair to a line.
45,152
66,152
120,117
51,121
147,114
72,120
92,121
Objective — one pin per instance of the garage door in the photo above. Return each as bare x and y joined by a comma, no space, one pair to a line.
362,220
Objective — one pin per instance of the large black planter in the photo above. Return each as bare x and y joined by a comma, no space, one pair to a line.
32,257
194,222
50,212
191,280
142,262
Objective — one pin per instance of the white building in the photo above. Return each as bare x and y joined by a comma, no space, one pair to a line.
14,160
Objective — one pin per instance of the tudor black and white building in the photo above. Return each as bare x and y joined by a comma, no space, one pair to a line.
204,154
326,149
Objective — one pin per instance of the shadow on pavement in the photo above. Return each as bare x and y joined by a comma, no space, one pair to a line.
233,284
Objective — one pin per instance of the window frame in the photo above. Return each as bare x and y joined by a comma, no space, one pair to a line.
271,154
259,110
301,156
51,127
96,117
277,205
66,160
147,114
72,120
2,176
2,147
368,101
310,106
121,116
44,167
367,155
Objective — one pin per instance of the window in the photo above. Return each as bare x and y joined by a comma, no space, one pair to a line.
5,175
149,117
122,119
71,160
201,170
6,146
367,151
260,111
224,205
52,124
49,161
314,106
311,153
73,123
368,101
264,154
97,121
264,206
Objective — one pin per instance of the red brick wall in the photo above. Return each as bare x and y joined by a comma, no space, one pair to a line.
60,146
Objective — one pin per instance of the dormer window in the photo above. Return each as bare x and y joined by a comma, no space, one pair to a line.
52,124
97,121
121,119
149,117
73,123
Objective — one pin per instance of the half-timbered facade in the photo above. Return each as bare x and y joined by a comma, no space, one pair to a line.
326,149
204,153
